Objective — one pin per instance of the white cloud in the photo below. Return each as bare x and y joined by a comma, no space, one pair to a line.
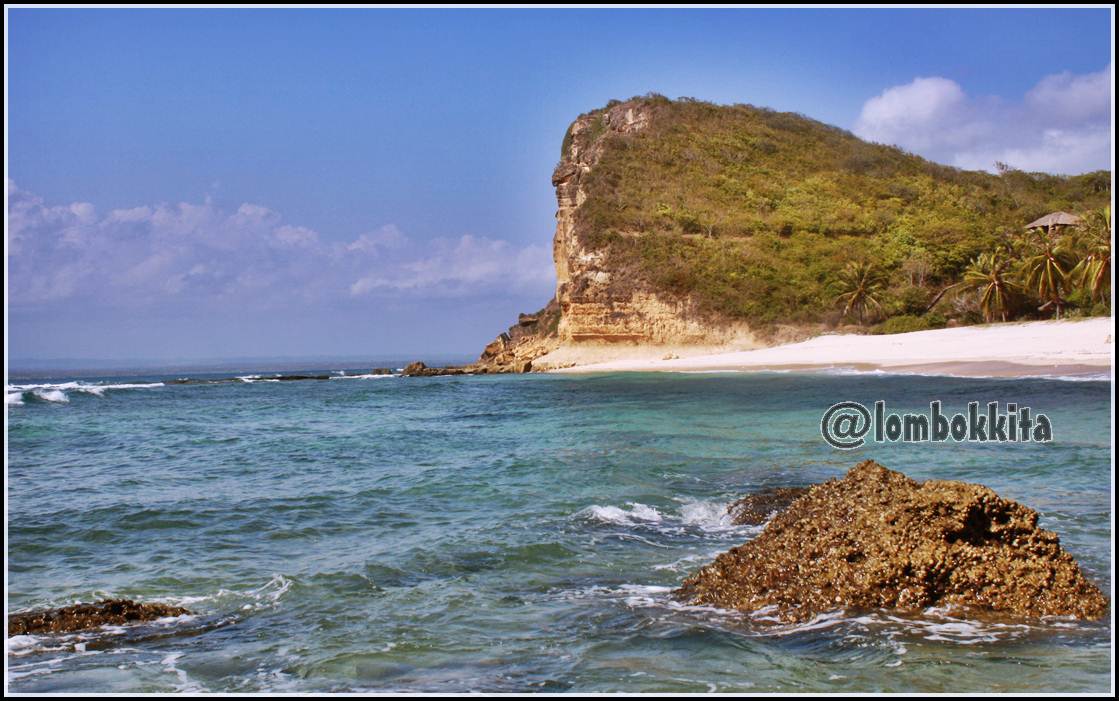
295,236
452,266
136,214
388,237
1068,151
1070,97
912,112
1061,125
192,254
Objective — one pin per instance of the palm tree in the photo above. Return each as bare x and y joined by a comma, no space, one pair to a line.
860,284
1093,272
1046,271
989,273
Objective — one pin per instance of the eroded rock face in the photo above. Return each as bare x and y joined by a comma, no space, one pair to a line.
595,303
598,303
515,350
877,539
86,616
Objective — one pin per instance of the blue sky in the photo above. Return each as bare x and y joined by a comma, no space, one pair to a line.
216,183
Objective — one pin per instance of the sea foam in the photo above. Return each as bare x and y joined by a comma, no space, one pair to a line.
57,392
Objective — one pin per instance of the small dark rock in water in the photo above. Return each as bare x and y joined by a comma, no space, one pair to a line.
227,380
754,509
85,616
877,539
381,371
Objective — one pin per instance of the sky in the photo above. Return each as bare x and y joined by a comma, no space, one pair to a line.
206,184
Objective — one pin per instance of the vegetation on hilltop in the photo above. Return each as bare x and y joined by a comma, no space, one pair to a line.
756,215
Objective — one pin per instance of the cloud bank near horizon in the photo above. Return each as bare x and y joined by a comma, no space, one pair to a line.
1061,125
198,255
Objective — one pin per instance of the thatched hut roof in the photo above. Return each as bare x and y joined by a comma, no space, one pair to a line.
1055,219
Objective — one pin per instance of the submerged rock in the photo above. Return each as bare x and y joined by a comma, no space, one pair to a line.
754,509
878,539
85,616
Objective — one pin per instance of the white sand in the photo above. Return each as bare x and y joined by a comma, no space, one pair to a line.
1078,347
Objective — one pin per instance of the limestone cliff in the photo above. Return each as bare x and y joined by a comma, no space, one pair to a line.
597,303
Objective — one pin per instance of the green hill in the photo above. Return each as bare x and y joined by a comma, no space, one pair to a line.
684,223
753,213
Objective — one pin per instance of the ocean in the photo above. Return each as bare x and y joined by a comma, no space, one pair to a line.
499,533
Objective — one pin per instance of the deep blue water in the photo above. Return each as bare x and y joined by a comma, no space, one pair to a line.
501,533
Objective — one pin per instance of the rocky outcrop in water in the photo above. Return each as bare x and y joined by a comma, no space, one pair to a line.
419,369
68,619
755,509
515,350
229,380
878,539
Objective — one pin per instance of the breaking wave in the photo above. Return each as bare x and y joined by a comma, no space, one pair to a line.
635,513
59,392
894,632
256,378
703,517
882,372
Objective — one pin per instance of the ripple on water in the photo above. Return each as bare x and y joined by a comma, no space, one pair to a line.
497,534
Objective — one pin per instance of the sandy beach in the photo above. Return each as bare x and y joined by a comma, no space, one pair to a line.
1037,348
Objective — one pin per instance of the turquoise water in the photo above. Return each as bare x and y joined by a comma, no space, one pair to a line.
502,533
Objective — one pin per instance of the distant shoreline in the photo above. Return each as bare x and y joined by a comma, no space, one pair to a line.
1067,348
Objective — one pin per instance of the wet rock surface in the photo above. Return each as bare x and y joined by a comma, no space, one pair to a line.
231,380
419,369
755,509
86,616
515,350
878,539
